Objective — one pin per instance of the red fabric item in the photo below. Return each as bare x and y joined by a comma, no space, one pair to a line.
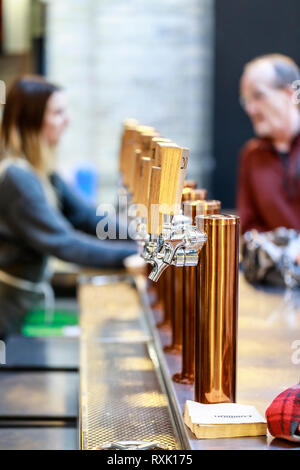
268,195
283,415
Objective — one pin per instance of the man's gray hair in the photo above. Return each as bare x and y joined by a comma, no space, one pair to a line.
286,70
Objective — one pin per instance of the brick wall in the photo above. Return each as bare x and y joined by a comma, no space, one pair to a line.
151,60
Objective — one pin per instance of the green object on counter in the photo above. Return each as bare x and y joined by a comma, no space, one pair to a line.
35,324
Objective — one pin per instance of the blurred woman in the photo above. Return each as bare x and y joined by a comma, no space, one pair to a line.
39,213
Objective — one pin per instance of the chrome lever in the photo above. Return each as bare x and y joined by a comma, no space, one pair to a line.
131,445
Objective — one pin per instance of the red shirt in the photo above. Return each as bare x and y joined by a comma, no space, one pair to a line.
269,186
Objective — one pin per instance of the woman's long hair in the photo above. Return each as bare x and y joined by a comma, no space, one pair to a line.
23,120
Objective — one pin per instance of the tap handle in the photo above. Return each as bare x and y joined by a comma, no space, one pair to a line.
132,143
128,124
144,185
144,151
154,216
154,150
146,142
128,146
143,143
171,158
137,171
139,131
182,172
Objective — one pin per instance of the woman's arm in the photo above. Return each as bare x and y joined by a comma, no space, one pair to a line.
45,229
78,212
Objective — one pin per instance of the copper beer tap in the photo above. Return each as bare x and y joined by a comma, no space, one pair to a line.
217,307
191,208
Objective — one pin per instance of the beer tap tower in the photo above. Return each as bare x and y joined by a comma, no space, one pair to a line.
170,239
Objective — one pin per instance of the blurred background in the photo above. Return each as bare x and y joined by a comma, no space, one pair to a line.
172,64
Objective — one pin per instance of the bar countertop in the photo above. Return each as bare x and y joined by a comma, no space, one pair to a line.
268,359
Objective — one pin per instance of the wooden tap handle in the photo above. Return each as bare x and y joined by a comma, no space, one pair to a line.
153,149
182,172
140,130
137,172
171,157
144,150
133,167
154,216
145,180
144,185
132,160
146,142
128,124
122,150
128,155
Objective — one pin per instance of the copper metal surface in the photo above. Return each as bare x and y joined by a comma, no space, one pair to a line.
166,281
199,194
191,208
190,184
188,326
216,315
190,194
177,311
186,194
160,284
155,292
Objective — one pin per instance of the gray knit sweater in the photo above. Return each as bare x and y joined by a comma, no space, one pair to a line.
31,229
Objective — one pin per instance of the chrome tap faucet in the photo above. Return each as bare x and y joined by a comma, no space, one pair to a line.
179,245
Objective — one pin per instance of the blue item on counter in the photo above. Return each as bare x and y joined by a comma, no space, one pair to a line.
86,183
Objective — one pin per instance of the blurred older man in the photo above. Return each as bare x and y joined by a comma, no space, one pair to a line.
269,174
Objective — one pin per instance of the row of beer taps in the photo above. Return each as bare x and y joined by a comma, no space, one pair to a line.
199,292
154,170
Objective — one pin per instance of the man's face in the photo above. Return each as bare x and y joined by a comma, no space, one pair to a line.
269,108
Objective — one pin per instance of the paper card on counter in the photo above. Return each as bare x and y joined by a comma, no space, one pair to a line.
223,413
